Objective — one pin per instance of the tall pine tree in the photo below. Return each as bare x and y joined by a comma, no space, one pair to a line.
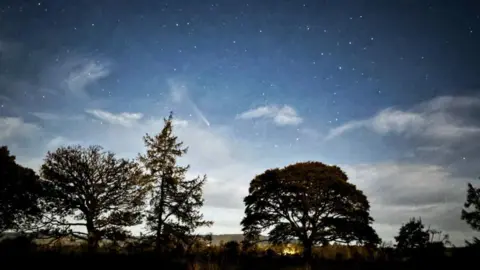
175,202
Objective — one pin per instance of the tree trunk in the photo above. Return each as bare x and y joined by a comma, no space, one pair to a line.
159,233
92,236
307,251
158,236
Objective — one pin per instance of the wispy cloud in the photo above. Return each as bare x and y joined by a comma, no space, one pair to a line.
15,128
125,119
59,141
84,72
280,115
434,119
179,94
47,116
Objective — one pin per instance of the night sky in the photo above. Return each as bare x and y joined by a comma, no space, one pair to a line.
387,90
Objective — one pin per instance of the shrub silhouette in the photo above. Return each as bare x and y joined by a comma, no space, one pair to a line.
17,245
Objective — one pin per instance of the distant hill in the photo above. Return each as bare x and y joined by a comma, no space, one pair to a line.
217,238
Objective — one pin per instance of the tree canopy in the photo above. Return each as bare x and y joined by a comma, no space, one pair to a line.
412,235
99,192
175,201
20,193
311,202
471,211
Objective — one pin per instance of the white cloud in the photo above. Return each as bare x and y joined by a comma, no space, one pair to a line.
450,102
335,132
399,191
124,119
179,123
60,141
434,119
46,116
15,128
281,116
82,73
179,94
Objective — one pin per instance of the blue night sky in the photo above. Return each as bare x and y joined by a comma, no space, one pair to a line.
387,90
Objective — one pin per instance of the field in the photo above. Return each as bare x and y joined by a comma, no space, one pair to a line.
229,255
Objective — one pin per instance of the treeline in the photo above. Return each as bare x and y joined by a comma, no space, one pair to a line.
307,204
92,189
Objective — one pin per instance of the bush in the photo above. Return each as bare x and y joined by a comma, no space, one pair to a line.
17,245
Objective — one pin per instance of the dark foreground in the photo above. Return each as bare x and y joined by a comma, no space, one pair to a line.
113,261
151,260
214,258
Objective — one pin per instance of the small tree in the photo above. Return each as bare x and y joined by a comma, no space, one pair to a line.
99,192
412,235
231,249
310,202
175,202
20,194
471,211
437,237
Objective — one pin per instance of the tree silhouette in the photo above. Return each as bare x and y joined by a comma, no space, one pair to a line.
175,202
412,235
437,237
311,202
20,193
96,190
471,211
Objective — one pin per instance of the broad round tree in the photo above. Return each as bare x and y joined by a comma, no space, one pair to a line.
91,188
309,202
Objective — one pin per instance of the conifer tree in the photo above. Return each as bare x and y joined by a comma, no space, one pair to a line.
175,201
